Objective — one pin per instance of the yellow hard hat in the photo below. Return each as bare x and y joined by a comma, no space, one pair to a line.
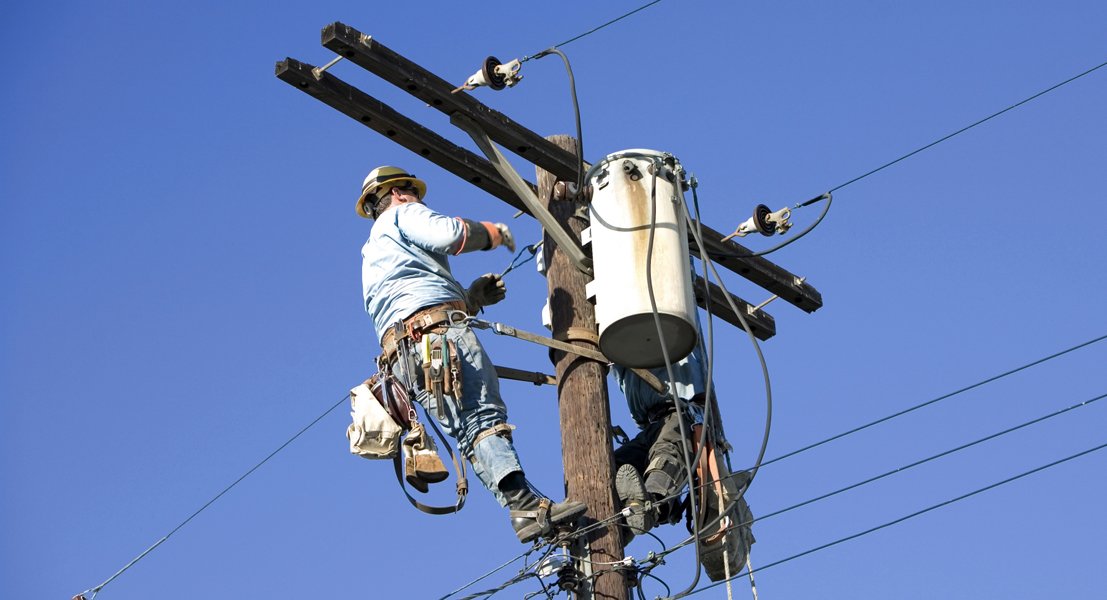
379,182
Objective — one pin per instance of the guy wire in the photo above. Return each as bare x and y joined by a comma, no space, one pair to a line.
96,590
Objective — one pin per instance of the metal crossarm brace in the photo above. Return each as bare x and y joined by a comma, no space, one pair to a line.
383,119
501,329
564,241
759,270
535,377
761,323
373,56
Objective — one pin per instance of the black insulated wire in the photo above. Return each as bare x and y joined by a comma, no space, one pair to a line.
826,208
576,114
658,166
753,340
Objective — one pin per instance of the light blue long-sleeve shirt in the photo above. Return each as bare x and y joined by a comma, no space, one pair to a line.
689,379
404,265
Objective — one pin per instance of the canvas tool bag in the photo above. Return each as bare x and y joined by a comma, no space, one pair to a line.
373,434
390,412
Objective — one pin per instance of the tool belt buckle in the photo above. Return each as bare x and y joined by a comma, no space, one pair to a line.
413,330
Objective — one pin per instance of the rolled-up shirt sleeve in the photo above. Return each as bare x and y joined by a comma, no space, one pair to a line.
429,230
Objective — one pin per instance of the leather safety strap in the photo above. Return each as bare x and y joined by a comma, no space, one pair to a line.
503,428
541,515
709,473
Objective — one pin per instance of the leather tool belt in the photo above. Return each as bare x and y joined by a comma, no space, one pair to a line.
432,319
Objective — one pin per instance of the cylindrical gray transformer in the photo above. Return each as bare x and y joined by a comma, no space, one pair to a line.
624,187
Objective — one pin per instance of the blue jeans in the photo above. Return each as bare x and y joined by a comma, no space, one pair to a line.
479,408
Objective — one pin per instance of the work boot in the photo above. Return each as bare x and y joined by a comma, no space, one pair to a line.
666,510
632,495
532,515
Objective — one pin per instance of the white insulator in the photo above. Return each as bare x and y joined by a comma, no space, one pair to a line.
620,227
547,316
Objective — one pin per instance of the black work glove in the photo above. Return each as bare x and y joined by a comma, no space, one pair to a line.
485,290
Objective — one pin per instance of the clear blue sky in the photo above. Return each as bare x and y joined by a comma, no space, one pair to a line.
180,265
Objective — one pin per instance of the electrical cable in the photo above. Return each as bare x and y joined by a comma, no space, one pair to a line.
595,29
966,128
768,421
936,400
96,590
492,572
510,582
826,208
935,457
603,522
753,340
914,514
669,370
768,389
906,467
641,594
827,195
523,574
576,114
516,263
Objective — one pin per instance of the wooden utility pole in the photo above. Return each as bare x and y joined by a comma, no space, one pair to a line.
582,394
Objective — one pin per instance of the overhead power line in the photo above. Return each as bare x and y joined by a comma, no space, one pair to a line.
594,29
966,128
829,194
910,516
490,573
96,590
936,400
658,558
611,519
912,465
906,467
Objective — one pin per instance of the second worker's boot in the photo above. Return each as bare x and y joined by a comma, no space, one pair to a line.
632,497
533,515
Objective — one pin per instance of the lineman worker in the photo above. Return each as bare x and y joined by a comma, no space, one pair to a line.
650,467
658,452
410,293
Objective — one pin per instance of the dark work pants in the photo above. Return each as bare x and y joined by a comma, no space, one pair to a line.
658,453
